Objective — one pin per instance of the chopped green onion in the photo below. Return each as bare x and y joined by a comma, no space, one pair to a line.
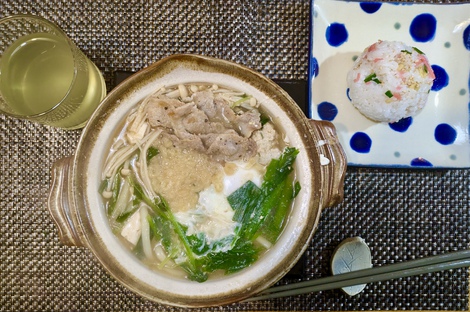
418,50
244,98
372,77
104,185
125,215
405,51
389,94
264,120
297,188
425,68
115,193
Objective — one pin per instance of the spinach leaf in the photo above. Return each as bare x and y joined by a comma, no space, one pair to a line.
252,204
274,223
215,256
238,257
279,169
246,202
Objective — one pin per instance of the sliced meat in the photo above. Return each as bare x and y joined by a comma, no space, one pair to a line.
160,112
248,122
231,147
207,124
204,100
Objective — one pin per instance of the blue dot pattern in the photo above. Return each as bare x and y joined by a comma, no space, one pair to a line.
327,111
370,7
445,134
314,68
420,162
466,38
442,78
401,125
423,27
360,142
336,34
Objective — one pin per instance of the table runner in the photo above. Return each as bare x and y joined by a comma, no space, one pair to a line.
402,214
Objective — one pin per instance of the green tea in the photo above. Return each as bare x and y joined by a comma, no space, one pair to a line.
40,74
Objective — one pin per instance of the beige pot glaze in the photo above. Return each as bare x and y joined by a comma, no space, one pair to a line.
76,206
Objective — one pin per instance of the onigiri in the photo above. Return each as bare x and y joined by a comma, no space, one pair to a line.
390,81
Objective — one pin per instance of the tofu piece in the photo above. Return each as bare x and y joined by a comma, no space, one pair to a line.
132,229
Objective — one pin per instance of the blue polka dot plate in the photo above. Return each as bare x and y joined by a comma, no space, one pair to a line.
438,137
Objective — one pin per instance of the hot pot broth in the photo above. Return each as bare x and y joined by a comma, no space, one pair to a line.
199,182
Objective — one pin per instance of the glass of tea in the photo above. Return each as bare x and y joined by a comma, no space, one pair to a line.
44,77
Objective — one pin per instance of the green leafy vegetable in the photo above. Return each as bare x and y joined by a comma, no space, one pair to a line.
154,229
254,207
253,204
115,193
389,94
246,202
138,249
279,169
181,242
151,152
126,214
275,221
264,119
104,185
405,51
214,256
239,257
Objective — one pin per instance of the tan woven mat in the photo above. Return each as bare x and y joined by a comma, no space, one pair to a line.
402,214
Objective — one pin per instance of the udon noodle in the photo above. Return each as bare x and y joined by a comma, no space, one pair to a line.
199,181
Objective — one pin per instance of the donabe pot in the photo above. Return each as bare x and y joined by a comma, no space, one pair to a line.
78,210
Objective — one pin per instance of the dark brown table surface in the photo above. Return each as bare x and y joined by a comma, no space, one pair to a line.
402,214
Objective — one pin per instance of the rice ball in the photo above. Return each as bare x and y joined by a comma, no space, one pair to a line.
390,81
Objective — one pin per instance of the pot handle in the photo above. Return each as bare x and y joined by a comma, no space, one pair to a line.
61,205
333,162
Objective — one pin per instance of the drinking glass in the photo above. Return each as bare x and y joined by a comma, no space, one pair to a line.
44,77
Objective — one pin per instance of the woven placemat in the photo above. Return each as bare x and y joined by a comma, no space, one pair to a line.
401,214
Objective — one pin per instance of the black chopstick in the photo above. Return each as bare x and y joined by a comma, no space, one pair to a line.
425,265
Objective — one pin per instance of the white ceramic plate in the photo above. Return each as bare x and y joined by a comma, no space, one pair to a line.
438,137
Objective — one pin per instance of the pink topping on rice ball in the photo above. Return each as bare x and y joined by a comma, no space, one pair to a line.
390,81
